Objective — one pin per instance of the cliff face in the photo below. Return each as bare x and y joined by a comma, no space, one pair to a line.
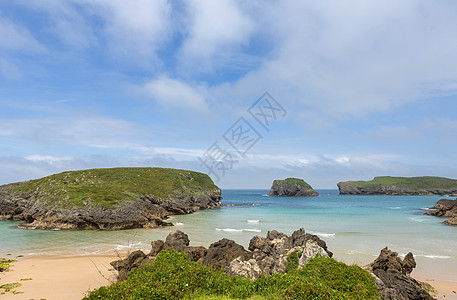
107,199
292,187
445,208
386,185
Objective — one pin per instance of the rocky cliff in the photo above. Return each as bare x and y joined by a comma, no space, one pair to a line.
386,185
107,199
292,187
445,208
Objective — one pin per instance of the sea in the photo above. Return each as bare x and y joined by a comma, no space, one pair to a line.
355,229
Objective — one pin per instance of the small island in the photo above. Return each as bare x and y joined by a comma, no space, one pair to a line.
293,187
107,199
387,185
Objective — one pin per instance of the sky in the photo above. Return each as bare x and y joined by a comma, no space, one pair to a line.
355,89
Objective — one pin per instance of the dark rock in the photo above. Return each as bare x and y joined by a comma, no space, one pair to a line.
222,252
124,266
177,240
392,277
445,208
292,187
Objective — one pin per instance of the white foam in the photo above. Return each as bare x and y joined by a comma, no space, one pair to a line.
426,208
417,219
253,221
322,234
396,207
436,256
266,195
229,229
119,247
179,224
252,230
55,229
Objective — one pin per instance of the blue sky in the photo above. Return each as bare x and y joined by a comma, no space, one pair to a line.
370,88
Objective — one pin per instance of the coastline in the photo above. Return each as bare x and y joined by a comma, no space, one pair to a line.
71,277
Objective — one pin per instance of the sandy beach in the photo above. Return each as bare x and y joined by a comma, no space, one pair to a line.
71,278
65,278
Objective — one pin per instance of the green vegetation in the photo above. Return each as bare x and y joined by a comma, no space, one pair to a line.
174,276
5,264
109,187
9,287
290,183
413,183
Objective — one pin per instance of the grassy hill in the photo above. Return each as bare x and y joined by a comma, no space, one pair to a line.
109,187
401,185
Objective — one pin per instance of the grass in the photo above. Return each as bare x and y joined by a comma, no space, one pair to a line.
416,183
109,187
289,183
174,276
5,264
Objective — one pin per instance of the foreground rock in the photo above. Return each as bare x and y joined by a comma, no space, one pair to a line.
107,199
266,255
386,185
445,208
392,277
293,187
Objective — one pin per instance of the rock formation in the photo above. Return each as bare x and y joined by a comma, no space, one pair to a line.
386,185
292,187
107,199
265,256
445,208
392,277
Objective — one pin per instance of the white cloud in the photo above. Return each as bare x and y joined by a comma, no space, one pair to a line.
215,31
135,30
15,37
174,93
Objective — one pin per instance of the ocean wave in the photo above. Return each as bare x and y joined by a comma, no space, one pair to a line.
238,230
417,219
322,234
426,208
396,207
253,221
436,256
179,224
265,195
131,245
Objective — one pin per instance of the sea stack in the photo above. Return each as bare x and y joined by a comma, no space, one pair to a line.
293,187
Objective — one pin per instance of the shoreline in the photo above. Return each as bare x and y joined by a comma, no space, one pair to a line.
71,277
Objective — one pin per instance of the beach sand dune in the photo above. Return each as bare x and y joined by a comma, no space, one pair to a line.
65,278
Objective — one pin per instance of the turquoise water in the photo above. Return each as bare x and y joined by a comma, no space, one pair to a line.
355,228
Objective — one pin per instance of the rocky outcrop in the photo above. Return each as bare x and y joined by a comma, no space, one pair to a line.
292,187
392,277
445,208
386,185
43,209
265,256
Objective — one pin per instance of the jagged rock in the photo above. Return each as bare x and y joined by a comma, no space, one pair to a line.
248,268
310,250
445,208
177,240
392,277
292,187
124,266
222,252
